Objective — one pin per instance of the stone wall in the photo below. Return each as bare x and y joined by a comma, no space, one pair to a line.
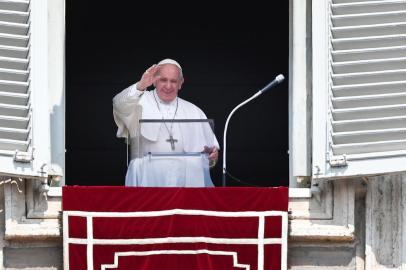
344,224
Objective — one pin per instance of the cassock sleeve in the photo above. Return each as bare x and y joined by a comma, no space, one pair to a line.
127,111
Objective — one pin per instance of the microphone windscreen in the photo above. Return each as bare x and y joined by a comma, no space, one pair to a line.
280,78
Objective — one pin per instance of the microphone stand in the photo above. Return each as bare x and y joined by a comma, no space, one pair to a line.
225,133
276,81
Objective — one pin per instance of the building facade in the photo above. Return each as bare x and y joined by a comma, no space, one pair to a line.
347,134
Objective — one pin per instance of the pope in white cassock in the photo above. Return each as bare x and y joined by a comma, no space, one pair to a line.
135,103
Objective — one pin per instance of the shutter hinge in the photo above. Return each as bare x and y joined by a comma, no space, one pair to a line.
24,157
338,161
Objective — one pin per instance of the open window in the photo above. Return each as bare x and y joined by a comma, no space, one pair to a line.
225,60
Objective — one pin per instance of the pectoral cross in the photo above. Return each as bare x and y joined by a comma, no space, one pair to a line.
172,141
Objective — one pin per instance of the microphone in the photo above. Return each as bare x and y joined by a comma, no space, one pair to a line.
272,84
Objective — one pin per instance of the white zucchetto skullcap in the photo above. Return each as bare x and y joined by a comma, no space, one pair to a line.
170,61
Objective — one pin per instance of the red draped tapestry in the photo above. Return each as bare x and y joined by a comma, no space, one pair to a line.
174,228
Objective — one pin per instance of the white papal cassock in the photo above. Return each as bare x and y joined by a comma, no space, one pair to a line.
131,105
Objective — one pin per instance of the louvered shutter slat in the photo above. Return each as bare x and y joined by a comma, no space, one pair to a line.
14,40
368,42
357,7
367,65
349,1
14,122
369,54
9,146
14,110
13,63
369,124
14,28
368,30
369,136
13,75
368,18
366,148
14,134
14,86
365,77
14,52
369,112
14,5
369,101
13,16
14,98
369,88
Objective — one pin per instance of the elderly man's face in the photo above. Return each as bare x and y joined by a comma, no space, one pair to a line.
168,83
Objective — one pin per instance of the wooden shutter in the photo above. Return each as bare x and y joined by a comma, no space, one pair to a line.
363,90
24,118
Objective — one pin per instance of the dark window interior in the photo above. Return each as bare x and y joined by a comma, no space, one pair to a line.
226,55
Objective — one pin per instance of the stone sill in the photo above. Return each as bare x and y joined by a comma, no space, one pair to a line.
300,232
55,192
27,231
296,193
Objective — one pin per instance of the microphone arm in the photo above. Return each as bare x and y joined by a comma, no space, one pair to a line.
276,81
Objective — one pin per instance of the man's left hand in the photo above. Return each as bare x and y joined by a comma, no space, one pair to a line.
213,153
